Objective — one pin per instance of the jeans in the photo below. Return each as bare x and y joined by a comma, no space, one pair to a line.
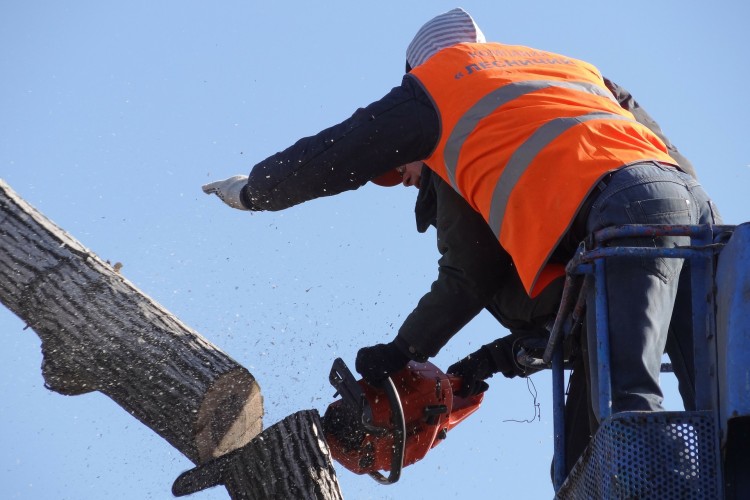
642,292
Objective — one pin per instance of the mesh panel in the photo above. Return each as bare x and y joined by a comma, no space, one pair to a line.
645,455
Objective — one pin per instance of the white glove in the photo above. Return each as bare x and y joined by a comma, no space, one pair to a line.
228,190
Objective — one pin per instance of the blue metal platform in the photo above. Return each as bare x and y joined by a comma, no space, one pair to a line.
702,454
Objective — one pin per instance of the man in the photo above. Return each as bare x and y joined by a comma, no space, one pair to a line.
476,273
534,142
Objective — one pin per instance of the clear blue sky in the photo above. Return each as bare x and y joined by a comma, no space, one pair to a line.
113,114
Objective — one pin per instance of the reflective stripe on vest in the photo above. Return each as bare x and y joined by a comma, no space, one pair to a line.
525,136
494,100
523,156
526,152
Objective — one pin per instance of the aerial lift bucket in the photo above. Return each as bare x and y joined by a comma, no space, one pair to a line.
677,454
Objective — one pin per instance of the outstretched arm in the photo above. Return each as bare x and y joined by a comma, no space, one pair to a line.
399,128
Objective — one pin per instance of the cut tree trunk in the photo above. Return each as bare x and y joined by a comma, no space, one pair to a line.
288,460
100,333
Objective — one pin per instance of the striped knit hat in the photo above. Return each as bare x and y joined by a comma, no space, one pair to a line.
448,29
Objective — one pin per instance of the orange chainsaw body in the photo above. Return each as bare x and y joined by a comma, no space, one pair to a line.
363,441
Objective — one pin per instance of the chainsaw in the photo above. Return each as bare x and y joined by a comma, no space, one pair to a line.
373,429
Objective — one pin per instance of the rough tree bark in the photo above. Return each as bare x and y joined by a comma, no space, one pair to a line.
100,333
270,466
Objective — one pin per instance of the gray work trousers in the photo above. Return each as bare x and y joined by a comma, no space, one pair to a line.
642,293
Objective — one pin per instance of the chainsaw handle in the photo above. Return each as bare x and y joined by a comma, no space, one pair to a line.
399,436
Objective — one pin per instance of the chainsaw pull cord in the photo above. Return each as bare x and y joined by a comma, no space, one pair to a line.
399,436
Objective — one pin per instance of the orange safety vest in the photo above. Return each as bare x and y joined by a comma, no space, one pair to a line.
525,136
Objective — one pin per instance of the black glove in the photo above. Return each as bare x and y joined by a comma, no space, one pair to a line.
379,362
473,370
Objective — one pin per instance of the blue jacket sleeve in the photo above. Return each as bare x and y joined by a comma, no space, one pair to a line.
397,129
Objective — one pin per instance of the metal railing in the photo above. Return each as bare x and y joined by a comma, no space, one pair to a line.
612,459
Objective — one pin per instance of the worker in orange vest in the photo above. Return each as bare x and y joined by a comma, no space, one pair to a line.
536,143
